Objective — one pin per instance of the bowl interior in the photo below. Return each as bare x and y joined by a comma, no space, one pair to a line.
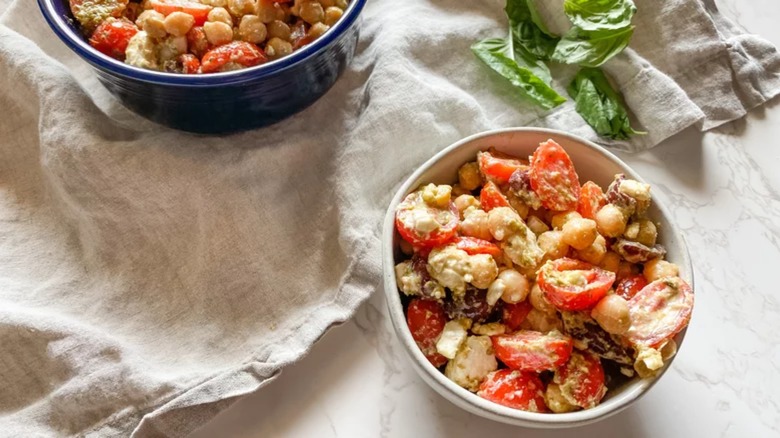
592,163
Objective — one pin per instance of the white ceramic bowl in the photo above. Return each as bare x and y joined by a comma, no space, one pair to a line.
592,163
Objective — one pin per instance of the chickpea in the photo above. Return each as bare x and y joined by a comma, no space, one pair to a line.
341,4
266,11
594,254
277,47
537,225
218,32
178,23
215,3
437,196
559,219
468,175
555,400
312,12
147,5
510,286
539,321
317,30
483,270
579,233
611,312
240,8
658,268
648,233
626,269
610,221
279,29
463,202
153,23
220,15
327,3
551,242
457,190
251,29
332,15
610,262
520,207
475,224
539,302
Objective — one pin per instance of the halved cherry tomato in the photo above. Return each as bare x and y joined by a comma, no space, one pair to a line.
553,177
497,166
591,200
512,315
111,37
515,389
426,321
659,311
235,52
630,286
414,210
199,11
490,197
581,380
472,245
532,351
572,285
189,64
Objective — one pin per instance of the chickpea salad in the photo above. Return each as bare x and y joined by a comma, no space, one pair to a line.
203,36
534,291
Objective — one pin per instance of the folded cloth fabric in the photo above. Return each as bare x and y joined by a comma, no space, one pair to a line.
149,278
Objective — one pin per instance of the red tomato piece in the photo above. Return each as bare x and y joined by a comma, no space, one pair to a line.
553,177
197,43
298,36
199,11
472,245
515,389
189,64
659,311
527,350
491,197
111,37
235,52
591,200
630,286
412,209
581,380
498,167
573,285
512,315
426,321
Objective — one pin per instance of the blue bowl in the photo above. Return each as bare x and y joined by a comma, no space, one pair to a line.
220,102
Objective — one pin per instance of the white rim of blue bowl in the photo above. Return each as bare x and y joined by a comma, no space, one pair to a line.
60,25
471,401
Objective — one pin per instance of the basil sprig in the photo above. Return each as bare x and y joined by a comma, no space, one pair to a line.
600,105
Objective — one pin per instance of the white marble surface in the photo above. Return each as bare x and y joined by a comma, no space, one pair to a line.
724,189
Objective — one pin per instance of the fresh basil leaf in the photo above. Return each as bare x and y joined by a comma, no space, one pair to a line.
600,105
528,29
602,29
499,55
600,15
591,49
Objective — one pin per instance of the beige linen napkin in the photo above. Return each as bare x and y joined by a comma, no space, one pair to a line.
149,278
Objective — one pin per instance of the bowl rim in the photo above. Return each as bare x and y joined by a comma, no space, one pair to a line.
462,397
76,42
